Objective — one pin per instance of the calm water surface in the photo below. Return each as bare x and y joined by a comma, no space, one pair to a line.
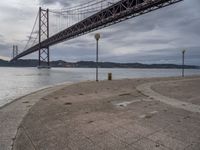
15,82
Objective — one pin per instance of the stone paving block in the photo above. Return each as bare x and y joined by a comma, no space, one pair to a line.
154,122
37,133
108,142
167,117
71,125
193,146
120,121
22,141
92,129
5,144
92,116
53,122
81,142
138,129
124,135
147,144
130,147
96,127
163,139
51,143
186,135
189,121
105,125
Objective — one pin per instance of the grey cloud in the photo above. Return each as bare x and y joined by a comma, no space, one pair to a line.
1,38
192,56
3,46
65,3
19,14
4,50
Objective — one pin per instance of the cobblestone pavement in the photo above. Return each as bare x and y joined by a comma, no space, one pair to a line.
112,115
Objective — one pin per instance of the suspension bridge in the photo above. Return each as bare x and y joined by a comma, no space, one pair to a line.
69,23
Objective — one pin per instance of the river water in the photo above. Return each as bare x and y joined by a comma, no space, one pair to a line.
16,82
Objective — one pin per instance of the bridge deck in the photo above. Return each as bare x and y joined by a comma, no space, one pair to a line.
120,11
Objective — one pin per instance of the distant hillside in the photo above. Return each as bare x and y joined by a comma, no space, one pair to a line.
90,64
19,63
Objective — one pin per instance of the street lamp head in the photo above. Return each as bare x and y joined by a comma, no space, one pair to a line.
183,51
97,36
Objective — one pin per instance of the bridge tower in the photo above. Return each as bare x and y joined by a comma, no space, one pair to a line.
15,51
43,34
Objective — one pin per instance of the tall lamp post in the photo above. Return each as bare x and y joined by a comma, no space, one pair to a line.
183,62
97,37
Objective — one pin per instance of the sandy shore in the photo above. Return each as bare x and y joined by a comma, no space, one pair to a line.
133,114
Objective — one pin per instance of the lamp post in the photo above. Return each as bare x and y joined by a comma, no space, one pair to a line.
183,62
97,37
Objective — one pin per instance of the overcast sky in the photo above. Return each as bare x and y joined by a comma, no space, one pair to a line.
156,37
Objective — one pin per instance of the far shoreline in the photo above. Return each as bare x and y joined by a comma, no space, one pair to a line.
92,64
94,67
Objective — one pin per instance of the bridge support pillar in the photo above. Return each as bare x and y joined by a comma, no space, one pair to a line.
44,61
15,51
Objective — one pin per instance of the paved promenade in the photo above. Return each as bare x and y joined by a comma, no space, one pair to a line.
12,115
136,114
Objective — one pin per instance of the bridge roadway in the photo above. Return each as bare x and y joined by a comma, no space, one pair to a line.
120,11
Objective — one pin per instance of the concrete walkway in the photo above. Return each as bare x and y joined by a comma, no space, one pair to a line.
113,115
147,90
12,115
